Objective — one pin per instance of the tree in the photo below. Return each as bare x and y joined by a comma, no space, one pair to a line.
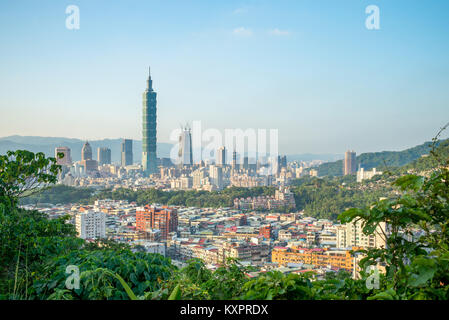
23,173
416,256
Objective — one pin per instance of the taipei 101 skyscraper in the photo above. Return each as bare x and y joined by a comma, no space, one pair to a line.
149,159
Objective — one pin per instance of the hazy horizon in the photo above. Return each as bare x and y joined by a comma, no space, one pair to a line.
172,143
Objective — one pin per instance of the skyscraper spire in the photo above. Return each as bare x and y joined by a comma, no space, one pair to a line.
149,81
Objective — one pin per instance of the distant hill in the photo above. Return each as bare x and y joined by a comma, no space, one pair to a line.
47,145
379,159
429,162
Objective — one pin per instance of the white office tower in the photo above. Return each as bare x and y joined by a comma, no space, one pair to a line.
221,157
91,224
185,147
216,176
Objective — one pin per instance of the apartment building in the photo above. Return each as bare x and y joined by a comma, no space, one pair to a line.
351,235
318,257
91,224
150,217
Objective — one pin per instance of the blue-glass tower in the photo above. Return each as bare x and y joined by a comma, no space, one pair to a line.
149,159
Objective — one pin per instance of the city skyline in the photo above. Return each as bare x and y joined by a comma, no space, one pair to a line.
222,151
311,70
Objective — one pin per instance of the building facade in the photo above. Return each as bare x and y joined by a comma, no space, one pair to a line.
103,156
127,153
91,224
66,160
221,157
318,257
350,163
185,147
87,162
164,219
368,174
351,235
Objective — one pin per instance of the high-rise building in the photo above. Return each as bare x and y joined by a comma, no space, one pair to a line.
164,219
91,224
103,156
127,152
245,163
66,160
281,163
86,152
284,162
350,163
221,157
216,176
89,164
149,158
185,147
234,160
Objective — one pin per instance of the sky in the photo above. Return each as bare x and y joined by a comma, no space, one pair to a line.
310,69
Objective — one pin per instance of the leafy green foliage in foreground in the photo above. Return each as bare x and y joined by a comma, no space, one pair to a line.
35,253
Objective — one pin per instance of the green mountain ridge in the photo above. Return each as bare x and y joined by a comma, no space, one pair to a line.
380,160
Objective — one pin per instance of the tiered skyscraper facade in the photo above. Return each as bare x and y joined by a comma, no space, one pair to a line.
149,158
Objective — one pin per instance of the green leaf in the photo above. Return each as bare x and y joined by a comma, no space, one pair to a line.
176,293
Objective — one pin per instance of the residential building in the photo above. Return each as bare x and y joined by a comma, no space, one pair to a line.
351,235
363,175
91,224
150,217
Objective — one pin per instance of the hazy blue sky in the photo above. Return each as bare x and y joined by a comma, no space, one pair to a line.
309,68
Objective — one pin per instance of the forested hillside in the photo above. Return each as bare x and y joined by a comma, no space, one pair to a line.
379,160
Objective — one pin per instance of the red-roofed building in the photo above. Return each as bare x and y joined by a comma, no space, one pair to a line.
265,232
165,219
